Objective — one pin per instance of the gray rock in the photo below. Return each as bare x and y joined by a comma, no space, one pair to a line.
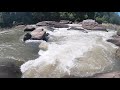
75,28
37,34
118,32
92,25
52,24
30,28
65,22
115,74
10,68
115,41
117,54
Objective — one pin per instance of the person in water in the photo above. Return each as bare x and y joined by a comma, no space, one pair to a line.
36,35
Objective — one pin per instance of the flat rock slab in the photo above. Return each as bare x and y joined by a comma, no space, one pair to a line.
92,25
52,24
115,74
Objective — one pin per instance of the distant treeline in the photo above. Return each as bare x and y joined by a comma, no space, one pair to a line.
16,18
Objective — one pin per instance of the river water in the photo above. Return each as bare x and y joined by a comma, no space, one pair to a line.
13,52
70,53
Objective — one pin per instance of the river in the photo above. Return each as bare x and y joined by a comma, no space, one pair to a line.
70,53
13,52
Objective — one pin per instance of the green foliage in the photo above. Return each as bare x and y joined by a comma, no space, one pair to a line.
13,18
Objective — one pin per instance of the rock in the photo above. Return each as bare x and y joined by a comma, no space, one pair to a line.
89,22
43,46
115,36
30,28
76,28
100,27
10,68
117,54
115,74
115,41
65,22
46,28
111,26
52,24
37,34
92,25
43,23
118,32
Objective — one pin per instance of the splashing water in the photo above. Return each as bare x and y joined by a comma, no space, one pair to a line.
72,53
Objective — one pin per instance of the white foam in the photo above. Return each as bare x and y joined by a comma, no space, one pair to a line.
72,53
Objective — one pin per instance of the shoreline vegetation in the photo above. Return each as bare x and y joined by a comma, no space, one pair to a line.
11,19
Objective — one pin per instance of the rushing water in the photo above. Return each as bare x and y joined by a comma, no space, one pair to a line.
73,53
68,53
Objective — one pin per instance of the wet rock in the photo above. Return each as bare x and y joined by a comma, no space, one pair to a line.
52,24
100,27
43,23
46,28
117,54
115,36
30,28
10,68
115,74
65,22
43,46
115,41
111,26
89,24
92,25
118,32
37,34
76,28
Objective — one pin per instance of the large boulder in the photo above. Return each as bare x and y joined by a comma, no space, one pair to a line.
89,22
92,25
30,28
52,24
10,68
37,34
115,41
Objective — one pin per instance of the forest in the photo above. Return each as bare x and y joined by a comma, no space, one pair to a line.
9,19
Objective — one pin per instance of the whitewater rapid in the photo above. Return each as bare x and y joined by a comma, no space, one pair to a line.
72,53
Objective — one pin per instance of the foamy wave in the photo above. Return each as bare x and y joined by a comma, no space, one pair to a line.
74,53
